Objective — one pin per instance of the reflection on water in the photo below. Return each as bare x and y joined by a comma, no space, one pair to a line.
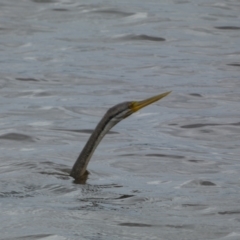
170,171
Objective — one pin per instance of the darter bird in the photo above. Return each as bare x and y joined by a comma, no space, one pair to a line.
113,116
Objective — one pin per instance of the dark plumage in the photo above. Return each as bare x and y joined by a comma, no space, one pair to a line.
110,119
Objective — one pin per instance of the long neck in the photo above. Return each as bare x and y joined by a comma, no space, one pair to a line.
80,166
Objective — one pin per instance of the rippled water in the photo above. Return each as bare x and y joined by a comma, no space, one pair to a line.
170,171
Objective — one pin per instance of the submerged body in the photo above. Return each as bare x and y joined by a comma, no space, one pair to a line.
110,119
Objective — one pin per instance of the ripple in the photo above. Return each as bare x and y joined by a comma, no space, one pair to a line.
164,155
131,224
191,102
16,137
195,94
114,12
196,161
88,131
135,224
141,37
43,1
14,194
216,131
193,183
38,236
229,212
110,201
234,64
60,9
200,125
228,28
28,79
194,206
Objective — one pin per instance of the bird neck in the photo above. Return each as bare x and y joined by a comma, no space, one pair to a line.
80,166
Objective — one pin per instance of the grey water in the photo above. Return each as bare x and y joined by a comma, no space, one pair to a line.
170,171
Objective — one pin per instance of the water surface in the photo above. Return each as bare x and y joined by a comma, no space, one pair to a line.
170,171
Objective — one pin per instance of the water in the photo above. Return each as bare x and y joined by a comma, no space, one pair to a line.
170,171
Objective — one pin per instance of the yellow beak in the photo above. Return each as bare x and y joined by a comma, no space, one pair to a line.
135,106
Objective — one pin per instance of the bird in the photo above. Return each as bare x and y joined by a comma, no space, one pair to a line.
113,116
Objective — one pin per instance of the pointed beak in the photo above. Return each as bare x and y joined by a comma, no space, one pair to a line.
135,106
